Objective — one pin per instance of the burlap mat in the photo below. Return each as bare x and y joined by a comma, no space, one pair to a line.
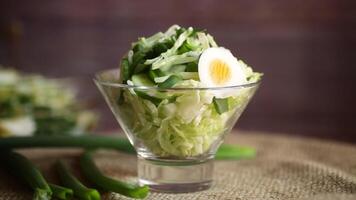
285,168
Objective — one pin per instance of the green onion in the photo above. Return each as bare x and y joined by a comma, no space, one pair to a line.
24,169
60,192
152,74
233,152
137,58
221,105
224,152
92,173
192,67
70,181
171,81
85,141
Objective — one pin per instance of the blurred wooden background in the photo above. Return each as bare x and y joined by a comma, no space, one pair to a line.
306,48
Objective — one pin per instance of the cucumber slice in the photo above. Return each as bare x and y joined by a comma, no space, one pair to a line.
171,81
152,95
221,105
155,97
141,80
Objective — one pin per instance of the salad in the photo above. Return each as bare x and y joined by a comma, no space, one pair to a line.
34,105
181,123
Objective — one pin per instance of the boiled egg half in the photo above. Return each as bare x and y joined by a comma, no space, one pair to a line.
217,67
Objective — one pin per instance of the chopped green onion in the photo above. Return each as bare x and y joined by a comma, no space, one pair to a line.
144,95
176,60
152,74
137,58
125,69
92,173
170,82
70,181
221,105
61,192
160,48
184,48
192,67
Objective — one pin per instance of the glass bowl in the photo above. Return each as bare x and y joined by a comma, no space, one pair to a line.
175,131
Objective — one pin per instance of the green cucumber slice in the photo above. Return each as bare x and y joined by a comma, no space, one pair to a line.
141,80
152,95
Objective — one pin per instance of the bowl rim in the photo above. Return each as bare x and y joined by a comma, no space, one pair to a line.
97,80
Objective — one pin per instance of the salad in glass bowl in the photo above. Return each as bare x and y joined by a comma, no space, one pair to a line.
35,105
176,95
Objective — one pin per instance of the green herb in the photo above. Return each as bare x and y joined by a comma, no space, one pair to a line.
61,192
20,166
70,181
92,173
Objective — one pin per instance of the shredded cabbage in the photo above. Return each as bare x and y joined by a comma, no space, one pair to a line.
184,128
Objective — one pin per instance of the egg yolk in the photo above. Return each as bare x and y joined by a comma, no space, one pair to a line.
219,72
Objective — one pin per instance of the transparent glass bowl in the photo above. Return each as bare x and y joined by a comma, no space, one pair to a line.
176,131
